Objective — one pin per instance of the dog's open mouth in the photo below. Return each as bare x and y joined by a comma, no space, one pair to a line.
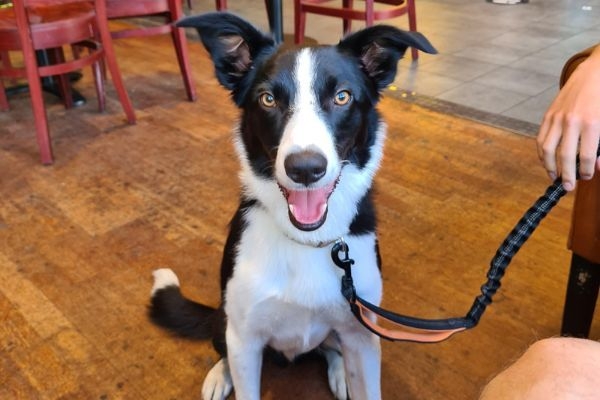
307,208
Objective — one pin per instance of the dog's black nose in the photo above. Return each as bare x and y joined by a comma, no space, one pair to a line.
305,167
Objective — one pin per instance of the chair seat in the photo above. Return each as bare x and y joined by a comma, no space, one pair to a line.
8,24
47,25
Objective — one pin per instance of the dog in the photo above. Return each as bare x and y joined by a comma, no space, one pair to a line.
309,141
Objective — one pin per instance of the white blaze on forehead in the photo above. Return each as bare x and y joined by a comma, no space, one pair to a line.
305,100
306,128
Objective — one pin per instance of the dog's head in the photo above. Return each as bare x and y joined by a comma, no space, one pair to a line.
309,134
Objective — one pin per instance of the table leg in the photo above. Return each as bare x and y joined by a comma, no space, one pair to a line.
582,294
275,14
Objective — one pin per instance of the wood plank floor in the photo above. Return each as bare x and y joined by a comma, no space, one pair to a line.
79,239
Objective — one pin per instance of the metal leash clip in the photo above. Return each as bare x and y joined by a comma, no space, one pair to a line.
340,246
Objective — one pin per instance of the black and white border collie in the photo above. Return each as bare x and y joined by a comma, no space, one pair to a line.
309,141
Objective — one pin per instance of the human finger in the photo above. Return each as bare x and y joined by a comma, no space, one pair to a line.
542,135
548,146
588,151
568,152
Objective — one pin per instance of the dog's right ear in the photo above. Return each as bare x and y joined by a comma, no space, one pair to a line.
234,46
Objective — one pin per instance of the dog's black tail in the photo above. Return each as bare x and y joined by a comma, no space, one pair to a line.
171,310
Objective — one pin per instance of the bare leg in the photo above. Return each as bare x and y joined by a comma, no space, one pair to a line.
557,368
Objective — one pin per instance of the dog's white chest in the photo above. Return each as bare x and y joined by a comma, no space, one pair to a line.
288,295
293,329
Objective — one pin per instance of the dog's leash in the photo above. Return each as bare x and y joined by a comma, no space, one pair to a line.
435,330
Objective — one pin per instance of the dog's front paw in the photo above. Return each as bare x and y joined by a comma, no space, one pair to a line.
336,374
217,384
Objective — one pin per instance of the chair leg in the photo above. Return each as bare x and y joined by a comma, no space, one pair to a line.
99,74
299,23
113,67
41,122
347,24
37,104
4,106
582,294
369,12
221,5
56,56
180,43
412,25
39,113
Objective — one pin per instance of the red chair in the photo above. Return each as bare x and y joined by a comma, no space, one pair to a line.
47,26
170,11
348,13
584,275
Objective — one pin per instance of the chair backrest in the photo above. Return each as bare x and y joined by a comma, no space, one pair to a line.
573,63
585,220
347,11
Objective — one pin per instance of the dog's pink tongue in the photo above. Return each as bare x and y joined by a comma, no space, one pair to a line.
308,206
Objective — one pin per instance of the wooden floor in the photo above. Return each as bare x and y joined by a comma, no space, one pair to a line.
79,239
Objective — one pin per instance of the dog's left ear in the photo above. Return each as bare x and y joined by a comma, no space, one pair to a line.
234,46
379,48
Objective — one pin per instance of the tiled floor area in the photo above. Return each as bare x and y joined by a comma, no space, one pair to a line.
499,62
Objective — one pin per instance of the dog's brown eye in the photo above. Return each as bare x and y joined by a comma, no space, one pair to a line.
342,97
267,100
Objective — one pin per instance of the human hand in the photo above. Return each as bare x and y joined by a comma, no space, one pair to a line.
572,124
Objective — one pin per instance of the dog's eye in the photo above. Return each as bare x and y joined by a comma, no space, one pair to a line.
267,100
342,97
